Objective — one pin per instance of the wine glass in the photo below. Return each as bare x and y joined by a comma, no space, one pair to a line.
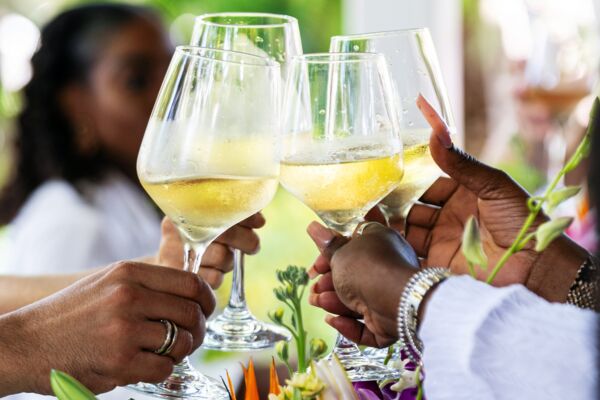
414,69
341,152
276,37
209,159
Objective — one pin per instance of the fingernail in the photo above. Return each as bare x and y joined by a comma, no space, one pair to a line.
329,319
312,273
321,235
313,299
444,137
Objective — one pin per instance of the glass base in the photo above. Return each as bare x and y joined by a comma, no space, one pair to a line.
238,330
184,383
358,367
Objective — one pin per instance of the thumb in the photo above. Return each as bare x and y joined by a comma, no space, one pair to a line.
479,178
327,240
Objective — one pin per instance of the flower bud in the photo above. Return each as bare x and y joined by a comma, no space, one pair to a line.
549,231
559,196
289,290
318,347
282,350
279,294
277,315
472,248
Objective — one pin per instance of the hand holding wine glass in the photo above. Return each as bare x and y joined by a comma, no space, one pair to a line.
341,152
209,160
218,258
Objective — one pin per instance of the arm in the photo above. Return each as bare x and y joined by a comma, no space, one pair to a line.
19,291
509,343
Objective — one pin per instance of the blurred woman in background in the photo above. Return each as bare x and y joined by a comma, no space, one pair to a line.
73,200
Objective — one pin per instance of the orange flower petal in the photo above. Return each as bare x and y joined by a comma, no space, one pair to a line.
273,379
230,384
251,386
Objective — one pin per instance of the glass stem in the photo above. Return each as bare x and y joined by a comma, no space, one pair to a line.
237,298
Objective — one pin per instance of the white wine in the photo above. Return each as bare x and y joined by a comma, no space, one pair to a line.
341,193
420,171
203,208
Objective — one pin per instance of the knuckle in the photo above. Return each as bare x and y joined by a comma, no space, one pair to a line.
194,285
212,276
253,241
192,312
187,343
123,269
125,293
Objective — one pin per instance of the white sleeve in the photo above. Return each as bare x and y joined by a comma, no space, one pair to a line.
482,342
55,232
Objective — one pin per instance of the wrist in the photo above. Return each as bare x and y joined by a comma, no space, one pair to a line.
18,366
411,301
555,269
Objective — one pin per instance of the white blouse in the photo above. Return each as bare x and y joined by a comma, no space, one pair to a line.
482,342
62,230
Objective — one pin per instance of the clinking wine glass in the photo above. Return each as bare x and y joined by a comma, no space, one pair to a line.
267,35
209,159
415,70
341,152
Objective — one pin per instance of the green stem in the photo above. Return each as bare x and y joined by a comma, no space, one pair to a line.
419,384
519,241
301,342
390,353
289,328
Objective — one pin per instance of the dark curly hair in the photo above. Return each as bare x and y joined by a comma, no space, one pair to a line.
46,146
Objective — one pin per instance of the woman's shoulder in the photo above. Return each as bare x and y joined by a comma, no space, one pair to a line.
54,208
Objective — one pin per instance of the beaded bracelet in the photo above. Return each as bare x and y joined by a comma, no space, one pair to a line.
414,292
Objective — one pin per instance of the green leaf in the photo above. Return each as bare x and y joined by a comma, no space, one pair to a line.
65,387
472,247
549,231
561,195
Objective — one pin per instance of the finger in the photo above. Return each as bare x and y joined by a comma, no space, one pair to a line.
423,215
166,280
214,277
185,313
255,221
330,302
440,192
324,284
320,266
460,166
419,238
148,367
168,228
327,241
170,252
239,237
376,215
353,330
155,333
218,256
